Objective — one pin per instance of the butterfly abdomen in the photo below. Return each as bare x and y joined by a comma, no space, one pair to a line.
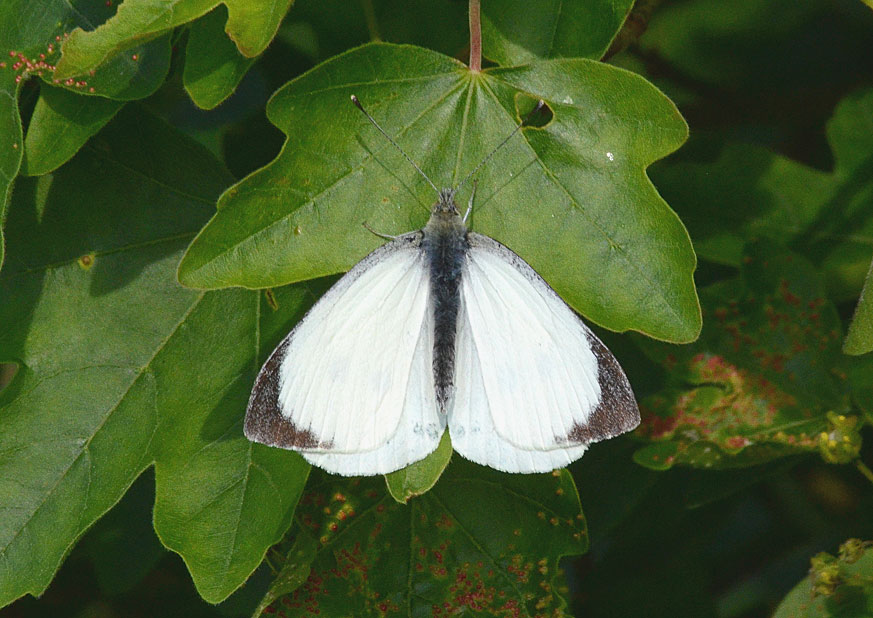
445,245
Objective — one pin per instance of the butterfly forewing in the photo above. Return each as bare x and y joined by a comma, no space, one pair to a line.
417,433
355,371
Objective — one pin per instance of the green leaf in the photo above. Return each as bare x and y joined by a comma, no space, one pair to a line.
30,39
213,65
860,337
135,74
615,251
837,587
751,61
33,33
251,24
61,123
759,381
450,549
119,366
295,571
517,32
418,478
10,156
221,500
749,192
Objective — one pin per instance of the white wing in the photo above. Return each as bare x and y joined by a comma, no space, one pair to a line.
533,385
351,386
470,422
418,431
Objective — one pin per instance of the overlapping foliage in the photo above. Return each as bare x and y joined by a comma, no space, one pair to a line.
143,284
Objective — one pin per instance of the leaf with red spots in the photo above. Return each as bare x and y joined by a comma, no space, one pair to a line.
295,570
31,34
478,542
758,382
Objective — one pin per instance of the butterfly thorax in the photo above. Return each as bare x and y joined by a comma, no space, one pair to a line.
445,245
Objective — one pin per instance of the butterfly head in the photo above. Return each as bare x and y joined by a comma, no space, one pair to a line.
445,218
446,205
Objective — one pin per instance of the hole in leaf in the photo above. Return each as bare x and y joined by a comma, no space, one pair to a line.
532,111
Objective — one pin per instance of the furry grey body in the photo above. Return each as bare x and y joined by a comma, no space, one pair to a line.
445,246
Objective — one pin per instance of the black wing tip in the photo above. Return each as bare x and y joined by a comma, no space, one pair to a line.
265,422
617,412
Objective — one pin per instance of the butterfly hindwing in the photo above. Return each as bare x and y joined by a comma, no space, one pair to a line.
471,423
534,386
351,387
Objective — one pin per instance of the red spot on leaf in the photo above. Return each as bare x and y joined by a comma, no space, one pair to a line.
787,296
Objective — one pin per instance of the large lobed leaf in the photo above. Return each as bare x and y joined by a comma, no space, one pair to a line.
151,373
572,198
119,366
448,552
758,383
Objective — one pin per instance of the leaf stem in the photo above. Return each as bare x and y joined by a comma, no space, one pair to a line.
270,564
370,17
863,469
475,37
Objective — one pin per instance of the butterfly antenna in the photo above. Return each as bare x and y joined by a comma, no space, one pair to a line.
523,122
393,143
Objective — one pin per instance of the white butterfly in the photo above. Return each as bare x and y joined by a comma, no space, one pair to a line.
439,328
